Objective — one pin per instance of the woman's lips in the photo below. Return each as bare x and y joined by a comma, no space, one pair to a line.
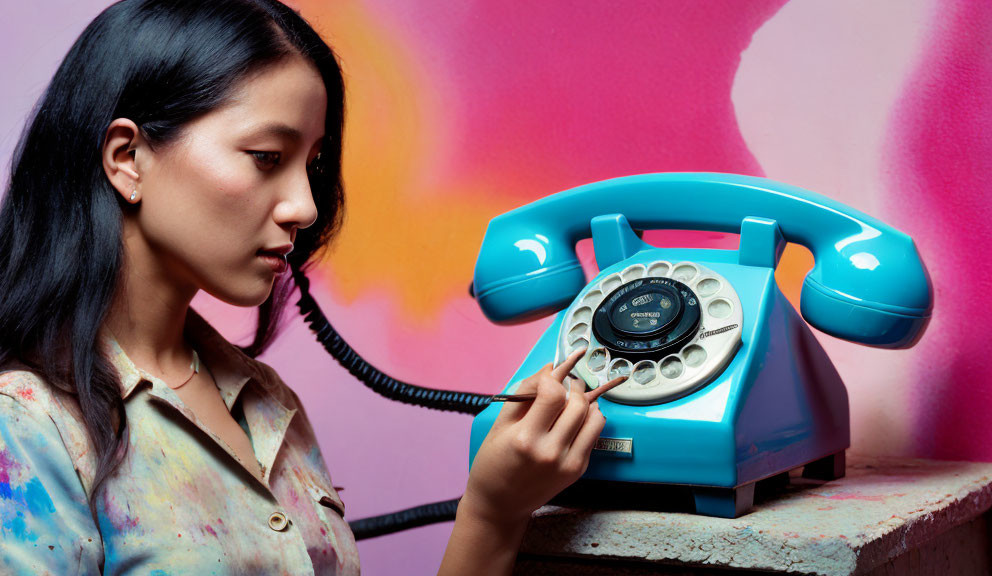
275,261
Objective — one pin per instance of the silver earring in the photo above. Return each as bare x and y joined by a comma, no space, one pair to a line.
133,194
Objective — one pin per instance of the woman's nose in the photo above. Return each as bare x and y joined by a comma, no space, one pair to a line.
297,207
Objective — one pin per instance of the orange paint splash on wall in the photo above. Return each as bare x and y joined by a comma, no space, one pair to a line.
402,236
792,268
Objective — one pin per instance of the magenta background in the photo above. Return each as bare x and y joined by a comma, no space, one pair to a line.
882,105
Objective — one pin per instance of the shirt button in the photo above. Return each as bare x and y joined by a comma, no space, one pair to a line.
278,521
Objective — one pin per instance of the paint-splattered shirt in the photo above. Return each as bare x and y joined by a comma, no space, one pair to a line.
181,502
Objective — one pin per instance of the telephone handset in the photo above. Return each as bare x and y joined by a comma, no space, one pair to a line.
727,385
868,284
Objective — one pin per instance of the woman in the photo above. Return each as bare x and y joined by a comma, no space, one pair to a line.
184,146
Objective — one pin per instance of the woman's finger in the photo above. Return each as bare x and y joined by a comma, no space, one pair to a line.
577,458
593,394
546,407
513,411
565,367
550,399
570,420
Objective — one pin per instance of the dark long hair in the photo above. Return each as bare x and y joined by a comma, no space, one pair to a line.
160,63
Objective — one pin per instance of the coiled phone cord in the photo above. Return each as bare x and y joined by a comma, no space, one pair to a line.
380,383
385,385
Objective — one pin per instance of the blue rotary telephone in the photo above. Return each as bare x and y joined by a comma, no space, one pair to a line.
727,385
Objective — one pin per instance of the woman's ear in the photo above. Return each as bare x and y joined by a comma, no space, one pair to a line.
120,149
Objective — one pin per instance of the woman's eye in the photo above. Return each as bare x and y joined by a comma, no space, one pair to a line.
266,160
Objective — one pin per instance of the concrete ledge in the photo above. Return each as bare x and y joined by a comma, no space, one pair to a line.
883,517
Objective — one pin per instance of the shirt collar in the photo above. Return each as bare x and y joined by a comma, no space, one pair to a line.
231,368
268,418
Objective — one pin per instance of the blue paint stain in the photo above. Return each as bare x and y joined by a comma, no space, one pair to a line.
19,528
32,494
314,455
37,498
158,573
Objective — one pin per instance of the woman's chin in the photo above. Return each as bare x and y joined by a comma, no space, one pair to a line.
245,297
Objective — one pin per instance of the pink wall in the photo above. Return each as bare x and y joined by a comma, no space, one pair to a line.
459,111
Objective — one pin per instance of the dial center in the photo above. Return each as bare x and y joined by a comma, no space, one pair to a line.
646,310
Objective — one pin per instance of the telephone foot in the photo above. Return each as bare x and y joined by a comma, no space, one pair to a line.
829,468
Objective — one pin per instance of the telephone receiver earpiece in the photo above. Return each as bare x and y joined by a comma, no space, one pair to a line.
868,283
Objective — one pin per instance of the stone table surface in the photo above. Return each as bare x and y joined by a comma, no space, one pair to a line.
883,508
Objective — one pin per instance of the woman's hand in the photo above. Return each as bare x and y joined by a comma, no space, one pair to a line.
535,449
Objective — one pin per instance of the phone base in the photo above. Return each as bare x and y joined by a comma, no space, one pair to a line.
704,500
777,406
713,501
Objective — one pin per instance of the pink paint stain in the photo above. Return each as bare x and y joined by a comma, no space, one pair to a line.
210,530
939,156
565,98
125,523
26,393
7,466
120,519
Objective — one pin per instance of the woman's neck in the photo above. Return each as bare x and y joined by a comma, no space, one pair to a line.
148,316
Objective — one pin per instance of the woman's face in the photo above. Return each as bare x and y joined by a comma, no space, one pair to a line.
219,207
